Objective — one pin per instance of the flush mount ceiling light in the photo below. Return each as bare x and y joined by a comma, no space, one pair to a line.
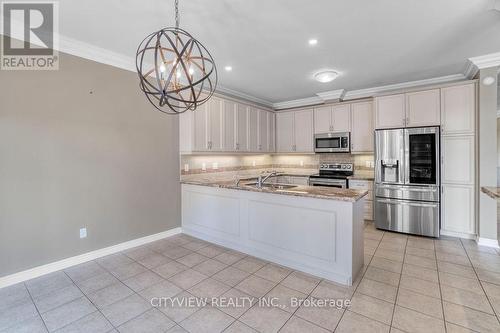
489,80
313,42
326,76
176,72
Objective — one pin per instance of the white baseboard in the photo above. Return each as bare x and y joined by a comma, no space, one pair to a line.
457,234
488,242
32,273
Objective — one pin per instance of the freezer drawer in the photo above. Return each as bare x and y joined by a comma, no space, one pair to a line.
413,217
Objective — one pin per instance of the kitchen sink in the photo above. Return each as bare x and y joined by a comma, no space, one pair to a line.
273,186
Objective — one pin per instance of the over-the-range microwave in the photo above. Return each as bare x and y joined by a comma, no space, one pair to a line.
332,142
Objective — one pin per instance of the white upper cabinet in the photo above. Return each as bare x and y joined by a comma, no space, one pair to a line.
215,124
200,128
263,130
285,128
457,159
323,120
362,127
229,125
458,107
336,118
423,108
253,129
241,128
341,118
390,111
271,122
303,129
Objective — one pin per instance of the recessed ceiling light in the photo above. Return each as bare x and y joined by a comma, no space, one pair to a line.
313,41
488,81
228,68
326,76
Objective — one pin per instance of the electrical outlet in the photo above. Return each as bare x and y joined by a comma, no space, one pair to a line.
83,233
301,163
203,166
186,167
368,164
254,163
215,165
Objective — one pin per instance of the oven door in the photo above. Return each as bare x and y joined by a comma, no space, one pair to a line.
338,183
332,143
422,156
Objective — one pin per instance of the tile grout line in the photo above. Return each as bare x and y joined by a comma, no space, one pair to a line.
399,283
36,307
440,291
481,284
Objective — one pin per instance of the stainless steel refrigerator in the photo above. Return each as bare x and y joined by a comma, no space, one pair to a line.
407,180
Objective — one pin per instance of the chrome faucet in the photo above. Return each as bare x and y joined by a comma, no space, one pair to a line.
261,180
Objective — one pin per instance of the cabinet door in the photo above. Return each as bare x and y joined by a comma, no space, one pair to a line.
362,127
241,128
263,131
253,129
230,125
215,122
322,120
284,132
200,127
457,208
390,111
303,128
423,108
341,118
271,122
458,109
457,159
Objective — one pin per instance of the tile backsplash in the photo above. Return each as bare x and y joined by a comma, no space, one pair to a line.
192,164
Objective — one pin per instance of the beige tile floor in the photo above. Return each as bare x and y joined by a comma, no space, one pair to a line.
409,284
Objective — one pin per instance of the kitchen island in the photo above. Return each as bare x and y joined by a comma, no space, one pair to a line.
317,230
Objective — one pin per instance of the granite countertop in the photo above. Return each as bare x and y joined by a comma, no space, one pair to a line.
319,192
493,192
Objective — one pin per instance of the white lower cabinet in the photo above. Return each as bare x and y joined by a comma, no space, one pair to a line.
457,210
364,185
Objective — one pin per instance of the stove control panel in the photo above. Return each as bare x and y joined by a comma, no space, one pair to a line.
348,167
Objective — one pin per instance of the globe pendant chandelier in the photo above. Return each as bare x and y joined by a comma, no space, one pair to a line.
176,72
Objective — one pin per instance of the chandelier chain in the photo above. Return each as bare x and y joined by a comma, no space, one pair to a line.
177,14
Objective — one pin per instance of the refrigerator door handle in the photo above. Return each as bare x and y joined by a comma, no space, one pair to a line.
408,203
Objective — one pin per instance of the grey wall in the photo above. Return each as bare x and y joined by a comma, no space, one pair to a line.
487,153
81,147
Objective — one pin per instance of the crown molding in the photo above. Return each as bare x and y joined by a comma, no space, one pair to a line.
370,92
241,95
475,64
332,95
298,103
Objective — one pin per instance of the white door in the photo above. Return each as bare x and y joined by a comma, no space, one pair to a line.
241,128
322,120
271,121
423,108
457,159
215,129
457,208
341,118
253,129
390,111
200,127
362,127
230,125
303,128
284,132
458,109
263,131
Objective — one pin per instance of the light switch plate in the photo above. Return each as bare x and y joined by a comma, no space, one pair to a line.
83,233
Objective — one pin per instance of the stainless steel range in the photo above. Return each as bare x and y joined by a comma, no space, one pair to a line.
333,175
407,180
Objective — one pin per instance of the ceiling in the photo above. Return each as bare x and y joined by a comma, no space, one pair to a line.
371,43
